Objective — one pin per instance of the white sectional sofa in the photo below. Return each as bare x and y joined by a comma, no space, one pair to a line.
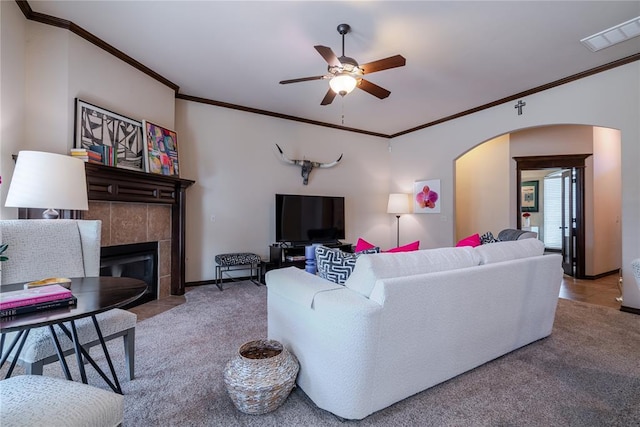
405,322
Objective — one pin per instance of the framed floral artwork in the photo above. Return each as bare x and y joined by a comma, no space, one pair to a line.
161,150
117,138
426,196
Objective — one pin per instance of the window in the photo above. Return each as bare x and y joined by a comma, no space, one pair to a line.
552,236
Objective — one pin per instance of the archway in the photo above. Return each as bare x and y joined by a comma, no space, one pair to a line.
487,188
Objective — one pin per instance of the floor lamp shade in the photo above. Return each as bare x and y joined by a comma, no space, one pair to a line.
48,181
398,203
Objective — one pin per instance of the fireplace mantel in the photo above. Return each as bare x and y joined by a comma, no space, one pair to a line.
112,184
107,183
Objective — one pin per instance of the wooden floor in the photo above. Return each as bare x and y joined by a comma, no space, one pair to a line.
602,291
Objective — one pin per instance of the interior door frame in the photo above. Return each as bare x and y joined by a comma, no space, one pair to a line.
565,161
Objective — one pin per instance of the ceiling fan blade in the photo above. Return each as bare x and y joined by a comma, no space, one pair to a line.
328,98
373,89
328,55
302,79
384,64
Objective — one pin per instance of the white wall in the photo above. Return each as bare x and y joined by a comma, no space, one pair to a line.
610,99
238,170
59,66
607,203
12,97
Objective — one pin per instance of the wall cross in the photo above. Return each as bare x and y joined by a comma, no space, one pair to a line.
519,106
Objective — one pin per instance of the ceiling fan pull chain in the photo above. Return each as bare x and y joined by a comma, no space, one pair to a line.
343,111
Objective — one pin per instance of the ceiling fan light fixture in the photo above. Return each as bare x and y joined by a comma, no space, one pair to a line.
343,84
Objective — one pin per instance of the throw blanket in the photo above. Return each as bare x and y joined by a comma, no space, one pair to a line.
510,234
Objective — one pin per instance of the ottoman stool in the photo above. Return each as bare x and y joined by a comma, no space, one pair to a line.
34,400
237,261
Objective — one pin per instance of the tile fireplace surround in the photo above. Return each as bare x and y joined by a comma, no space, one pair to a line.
124,223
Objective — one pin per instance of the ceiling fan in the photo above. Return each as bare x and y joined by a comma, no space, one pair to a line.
344,73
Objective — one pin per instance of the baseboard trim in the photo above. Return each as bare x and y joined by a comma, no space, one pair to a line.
632,310
601,275
213,281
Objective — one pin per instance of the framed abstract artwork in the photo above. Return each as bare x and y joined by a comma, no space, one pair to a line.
116,137
161,149
426,196
529,196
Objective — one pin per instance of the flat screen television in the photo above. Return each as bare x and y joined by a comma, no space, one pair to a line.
303,219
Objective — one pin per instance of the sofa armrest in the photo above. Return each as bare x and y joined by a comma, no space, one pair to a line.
333,332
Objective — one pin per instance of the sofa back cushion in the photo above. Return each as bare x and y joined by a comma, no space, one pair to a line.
370,268
509,250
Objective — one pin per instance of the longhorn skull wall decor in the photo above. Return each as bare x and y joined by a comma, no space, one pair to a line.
307,165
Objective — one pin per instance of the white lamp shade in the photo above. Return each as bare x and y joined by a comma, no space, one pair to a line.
398,203
343,84
47,180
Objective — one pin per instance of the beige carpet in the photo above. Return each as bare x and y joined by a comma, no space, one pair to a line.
586,374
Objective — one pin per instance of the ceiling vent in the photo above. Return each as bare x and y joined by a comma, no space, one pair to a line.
613,35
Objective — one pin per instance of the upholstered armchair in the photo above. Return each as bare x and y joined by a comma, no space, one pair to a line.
60,248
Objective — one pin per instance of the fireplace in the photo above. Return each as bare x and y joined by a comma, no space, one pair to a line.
136,260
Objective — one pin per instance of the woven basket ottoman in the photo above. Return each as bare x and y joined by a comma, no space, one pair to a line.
238,261
261,376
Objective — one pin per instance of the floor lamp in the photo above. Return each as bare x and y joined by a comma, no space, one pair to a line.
398,204
47,181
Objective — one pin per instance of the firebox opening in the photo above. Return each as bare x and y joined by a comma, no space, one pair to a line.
136,260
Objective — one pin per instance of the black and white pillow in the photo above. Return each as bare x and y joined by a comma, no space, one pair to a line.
337,266
487,238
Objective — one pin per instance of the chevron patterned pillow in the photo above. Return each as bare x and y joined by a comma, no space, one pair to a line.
335,265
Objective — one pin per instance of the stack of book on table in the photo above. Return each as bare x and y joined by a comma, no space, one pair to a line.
35,299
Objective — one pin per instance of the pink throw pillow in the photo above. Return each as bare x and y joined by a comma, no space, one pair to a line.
363,245
406,248
473,241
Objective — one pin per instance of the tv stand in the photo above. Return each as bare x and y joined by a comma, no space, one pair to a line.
281,255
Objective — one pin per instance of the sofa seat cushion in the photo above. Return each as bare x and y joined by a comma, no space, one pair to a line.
370,268
509,250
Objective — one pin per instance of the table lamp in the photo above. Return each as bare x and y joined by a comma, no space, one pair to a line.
398,204
47,181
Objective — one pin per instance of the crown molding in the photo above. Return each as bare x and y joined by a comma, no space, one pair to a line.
63,23
81,32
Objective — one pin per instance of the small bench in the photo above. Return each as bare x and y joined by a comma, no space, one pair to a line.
34,400
238,261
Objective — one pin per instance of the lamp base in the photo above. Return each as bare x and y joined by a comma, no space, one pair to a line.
50,214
